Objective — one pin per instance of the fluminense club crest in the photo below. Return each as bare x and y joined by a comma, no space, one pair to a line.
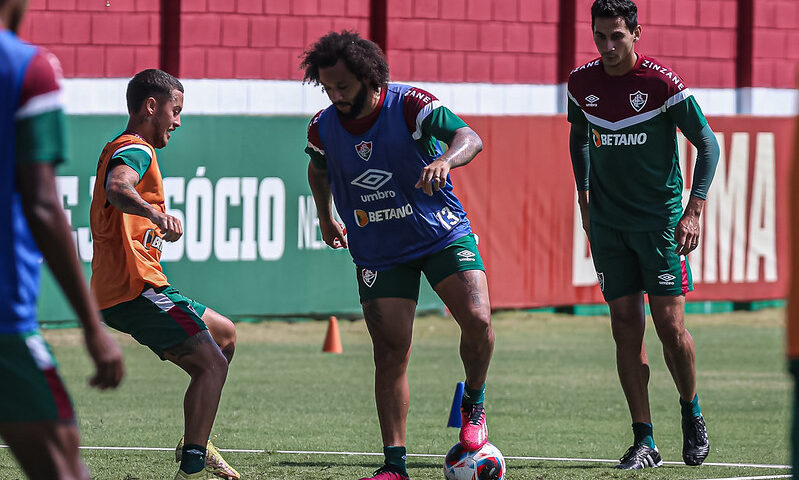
364,150
638,100
368,277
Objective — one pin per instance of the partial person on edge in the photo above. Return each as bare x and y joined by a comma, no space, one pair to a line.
37,419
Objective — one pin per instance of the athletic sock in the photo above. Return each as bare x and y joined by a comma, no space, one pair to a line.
193,458
643,434
395,458
691,408
472,396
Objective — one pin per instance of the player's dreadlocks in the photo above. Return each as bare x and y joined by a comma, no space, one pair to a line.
362,57
625,9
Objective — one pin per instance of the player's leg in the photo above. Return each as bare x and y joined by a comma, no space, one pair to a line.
222,330
618,271
46,450
667,278
37,420
389,300
172,326
458,277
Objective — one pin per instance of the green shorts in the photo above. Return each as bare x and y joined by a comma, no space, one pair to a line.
159,318
403,280
32,389
629,262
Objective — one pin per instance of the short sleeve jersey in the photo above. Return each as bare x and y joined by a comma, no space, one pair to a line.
127,248
373,164
635,181
31,131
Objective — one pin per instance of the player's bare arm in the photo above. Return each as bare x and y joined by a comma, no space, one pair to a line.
688,229
45,215
465,145
333,233
120,190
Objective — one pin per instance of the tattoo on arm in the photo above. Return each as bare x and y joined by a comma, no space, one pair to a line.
190,344
465,145
120,190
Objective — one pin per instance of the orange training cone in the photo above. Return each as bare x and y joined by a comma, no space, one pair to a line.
332,339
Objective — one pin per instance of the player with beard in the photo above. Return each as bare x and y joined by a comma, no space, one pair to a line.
129,224
375,151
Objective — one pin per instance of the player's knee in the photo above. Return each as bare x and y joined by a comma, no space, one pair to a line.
476,323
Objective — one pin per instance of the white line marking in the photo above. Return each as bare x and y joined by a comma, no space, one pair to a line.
549,459
431,455
764,477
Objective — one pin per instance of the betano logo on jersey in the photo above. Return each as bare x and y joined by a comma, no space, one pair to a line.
362,218
151,239
616,139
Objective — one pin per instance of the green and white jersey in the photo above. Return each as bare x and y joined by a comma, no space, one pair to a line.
635,181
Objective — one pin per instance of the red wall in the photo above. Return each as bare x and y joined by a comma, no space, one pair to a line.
776,43
497,41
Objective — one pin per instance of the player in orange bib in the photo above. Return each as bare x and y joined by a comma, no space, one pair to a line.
129,225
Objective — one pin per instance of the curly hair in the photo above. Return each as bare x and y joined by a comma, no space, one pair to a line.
625,9
363,58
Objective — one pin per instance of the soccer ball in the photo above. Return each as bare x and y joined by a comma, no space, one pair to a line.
484,464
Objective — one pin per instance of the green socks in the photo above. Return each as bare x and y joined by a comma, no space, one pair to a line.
471,396
643,434
691,408
192,459
395,457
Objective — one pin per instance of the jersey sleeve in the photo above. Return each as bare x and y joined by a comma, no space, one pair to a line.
426,116
135,155
39,119
683,109
575,114
314,149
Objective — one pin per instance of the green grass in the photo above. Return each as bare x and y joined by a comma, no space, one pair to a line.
552,392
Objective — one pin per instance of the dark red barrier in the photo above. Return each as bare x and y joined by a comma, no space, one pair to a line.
520,196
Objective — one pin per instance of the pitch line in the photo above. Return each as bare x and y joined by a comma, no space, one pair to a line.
432,455
549,459
764,477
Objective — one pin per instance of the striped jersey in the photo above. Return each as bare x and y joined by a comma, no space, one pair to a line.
635,182
372,168
31,130
127,248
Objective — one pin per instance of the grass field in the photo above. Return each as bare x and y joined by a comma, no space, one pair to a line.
552,392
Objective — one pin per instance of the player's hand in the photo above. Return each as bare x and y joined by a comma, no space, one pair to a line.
170,226
433,177
107,358
582,201
687,234
334,233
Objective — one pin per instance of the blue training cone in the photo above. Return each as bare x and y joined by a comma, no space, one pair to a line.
455,411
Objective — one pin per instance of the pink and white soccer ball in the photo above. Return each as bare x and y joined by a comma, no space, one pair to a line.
484,464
